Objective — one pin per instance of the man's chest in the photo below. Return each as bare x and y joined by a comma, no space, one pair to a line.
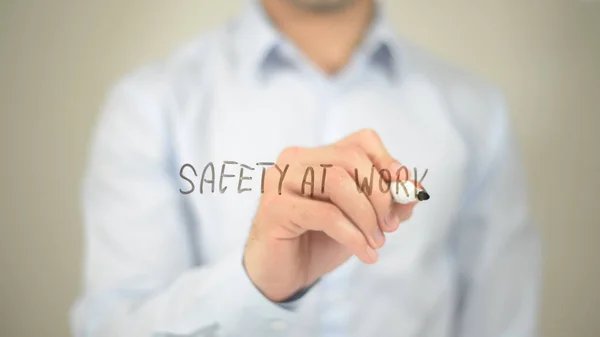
231,136
230,141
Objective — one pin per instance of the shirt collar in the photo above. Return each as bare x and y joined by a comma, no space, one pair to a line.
260,42
256,37
380,44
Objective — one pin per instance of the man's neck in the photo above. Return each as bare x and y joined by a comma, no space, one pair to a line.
328,39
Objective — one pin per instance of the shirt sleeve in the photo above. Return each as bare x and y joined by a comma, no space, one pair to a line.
141,277
497,245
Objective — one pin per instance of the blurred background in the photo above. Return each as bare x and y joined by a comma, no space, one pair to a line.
59,58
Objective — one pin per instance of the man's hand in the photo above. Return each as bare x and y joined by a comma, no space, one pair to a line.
295,238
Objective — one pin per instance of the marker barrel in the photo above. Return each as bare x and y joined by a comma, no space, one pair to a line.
407,193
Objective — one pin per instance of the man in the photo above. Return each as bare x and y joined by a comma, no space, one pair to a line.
190,231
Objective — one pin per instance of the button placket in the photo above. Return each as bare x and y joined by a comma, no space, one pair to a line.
278,325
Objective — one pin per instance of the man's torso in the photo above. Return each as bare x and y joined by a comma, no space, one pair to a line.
426,117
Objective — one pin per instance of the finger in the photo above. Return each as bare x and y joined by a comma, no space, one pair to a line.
370,142
389,168
367,178
340,189
384,207
369,181
317,215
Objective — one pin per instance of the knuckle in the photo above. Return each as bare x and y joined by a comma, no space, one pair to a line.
369,134
335,177
338,173
350,154
288,154
271,178
270,201
331,214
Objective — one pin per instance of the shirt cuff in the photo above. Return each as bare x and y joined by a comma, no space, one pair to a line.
293,302
229,303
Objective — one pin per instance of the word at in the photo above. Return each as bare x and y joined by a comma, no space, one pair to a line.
209,177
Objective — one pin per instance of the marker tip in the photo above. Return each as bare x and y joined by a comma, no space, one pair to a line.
422,195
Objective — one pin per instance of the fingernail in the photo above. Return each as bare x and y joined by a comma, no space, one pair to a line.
392,221
379,237
372,253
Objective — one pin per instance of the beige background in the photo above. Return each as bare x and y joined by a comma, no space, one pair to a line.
58,59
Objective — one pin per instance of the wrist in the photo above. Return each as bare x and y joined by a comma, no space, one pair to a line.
277,279
272,290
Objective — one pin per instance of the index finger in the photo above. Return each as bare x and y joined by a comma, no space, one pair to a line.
369,142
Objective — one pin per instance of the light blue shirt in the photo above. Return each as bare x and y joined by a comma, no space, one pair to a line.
159,262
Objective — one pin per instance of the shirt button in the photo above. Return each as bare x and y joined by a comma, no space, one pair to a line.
278,325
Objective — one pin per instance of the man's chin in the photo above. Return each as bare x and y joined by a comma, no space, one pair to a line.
323,6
